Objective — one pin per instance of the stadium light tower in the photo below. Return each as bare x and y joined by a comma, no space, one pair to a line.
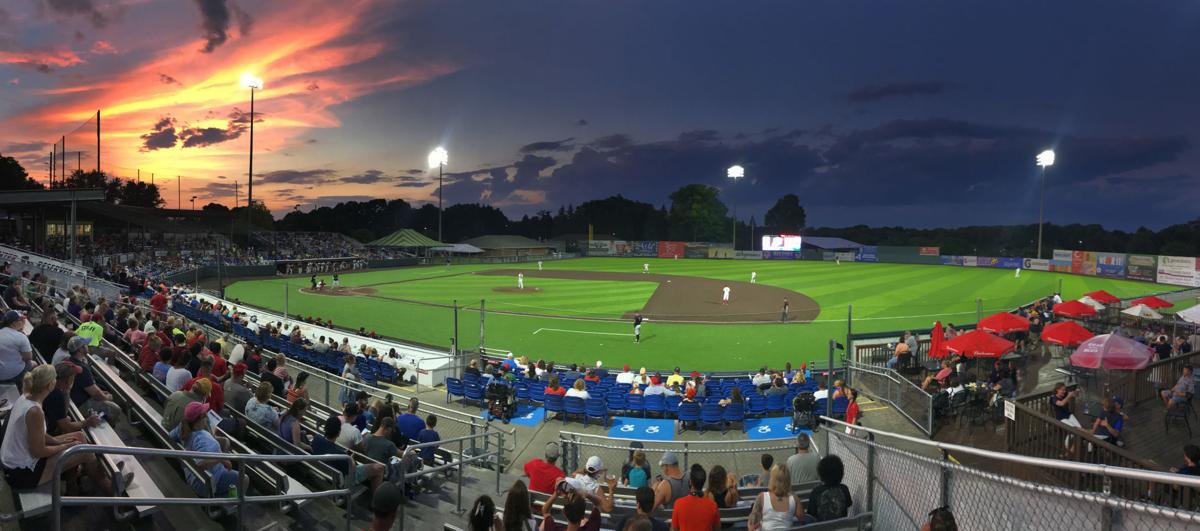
439,157
193,204
1044,159
253,83
735,172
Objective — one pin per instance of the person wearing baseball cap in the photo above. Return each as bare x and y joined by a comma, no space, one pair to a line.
16,354
383,506
588,479
54,406
194,435
74,345
543,473
675,378
626,376
673,485
236,391
175,408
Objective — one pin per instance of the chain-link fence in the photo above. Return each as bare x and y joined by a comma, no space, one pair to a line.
901,489
892,388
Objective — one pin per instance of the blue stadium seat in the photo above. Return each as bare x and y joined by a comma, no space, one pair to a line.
636,404
553,404
388,372
595,408
522,391
615,401
672,404
688,412
537,392
776,404
573,405
655,404
735,412
756,406
819,406
473,392
454,387
711,414
470,378
839,406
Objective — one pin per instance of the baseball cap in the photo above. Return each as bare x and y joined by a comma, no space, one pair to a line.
65,369
594,464
194,411
78,342
695,374
626,367
552,451
239,368
668,458
11,317
386,498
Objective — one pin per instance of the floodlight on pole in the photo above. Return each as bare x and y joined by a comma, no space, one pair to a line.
1044,159
253,83
439,157
735,172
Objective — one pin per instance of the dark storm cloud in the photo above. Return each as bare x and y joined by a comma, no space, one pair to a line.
27,147
216,16
367,177
239,123
497,183
415,171
312,86
84,8
612,141
213,190
550,145
320,176
699,136
161,137
878,92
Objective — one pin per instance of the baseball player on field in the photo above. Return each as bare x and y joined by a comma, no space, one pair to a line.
539,265
520,280
725,295
645,268
637,327
753,277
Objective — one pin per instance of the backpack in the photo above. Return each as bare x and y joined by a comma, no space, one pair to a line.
832,503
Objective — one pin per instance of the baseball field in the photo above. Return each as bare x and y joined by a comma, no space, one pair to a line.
580,310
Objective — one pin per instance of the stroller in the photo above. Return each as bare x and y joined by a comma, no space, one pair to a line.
501,401
802,411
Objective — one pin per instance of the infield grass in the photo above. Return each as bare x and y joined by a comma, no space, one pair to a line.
884,297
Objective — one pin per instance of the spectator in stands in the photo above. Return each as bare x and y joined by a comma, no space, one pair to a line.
722,487
148,354
695,512
579,390
645,508
349,436
163,365
821,391
1162,347
777,509
901,350
159,303
365,416
543,473
553,388
54,405
86,395
14,298
378,445
28,454
656,387
590,476
1107,426
626,376
735,397
268,375
1182,390
46,336
1061,406
16,354
642,477
831,499
259,408
472,368
762,479
178,374
194,435
133,334
673,485
837,391
575,507
349,372
281,369
940,519
177,402
216,398
75,345
803,465
940,377
777,388
254,359
675,378
429,435
852,412
518,510
483,515
1191,461
384,502
291,422
236,392
761,378
236,354
299,389
409,423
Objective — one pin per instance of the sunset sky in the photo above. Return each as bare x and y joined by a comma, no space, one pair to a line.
899,113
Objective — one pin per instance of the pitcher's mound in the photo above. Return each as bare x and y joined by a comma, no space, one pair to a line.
510,289
341,291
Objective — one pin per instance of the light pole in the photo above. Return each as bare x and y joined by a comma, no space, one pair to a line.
193,204
735,172
439,157
253,83
1044,159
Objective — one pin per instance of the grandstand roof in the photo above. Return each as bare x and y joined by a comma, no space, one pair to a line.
406,238
824,242
497,241
463,248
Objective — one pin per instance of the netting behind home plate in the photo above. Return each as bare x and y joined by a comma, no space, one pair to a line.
901,489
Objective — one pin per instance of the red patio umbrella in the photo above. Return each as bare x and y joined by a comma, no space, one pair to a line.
1003,323
1112,351
1103,297
937,341
1066,333
1152,301
1074,309
979,344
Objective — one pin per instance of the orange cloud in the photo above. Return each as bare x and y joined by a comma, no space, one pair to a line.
103,48
40,59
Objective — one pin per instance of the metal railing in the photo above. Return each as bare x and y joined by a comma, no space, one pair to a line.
882,480
58,501
410,453
892,388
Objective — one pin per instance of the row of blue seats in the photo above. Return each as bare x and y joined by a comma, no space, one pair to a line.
715,387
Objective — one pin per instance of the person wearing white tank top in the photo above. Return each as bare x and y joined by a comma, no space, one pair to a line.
778,508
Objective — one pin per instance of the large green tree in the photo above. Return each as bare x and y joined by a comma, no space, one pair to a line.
14,177
697,214
139,194
787,215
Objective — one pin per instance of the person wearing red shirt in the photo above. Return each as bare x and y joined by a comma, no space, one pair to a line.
852,409
544,472
159,303
695,512
149,354
552,387
216,399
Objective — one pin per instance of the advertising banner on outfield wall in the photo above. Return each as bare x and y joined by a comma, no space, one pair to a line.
1036,264
1141,267
600,247
1110,265
621,248
671,249
970,261
954,260
867,253
695,250
1178,271
644,248
844,256
720,252
929,251
987,261
1008,262
1077,260
780,255
748,255
828,256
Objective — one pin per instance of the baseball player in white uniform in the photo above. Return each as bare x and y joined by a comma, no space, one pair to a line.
725,295
645,268
520,280
753,277
539,265
1018,272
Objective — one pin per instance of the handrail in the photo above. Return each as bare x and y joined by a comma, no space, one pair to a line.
923,401
458,464
57,500
1088,437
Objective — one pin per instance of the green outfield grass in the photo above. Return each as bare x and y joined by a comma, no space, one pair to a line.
884,297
